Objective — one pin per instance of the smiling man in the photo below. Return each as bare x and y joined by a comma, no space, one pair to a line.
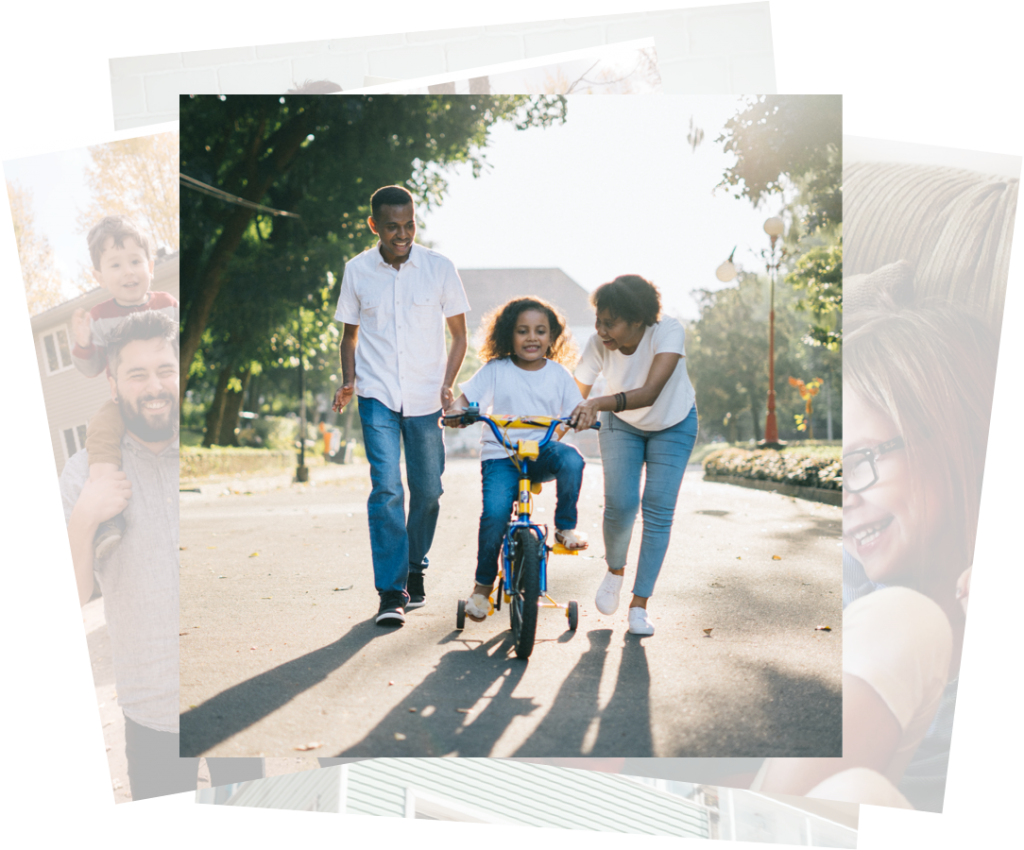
395,300
139,578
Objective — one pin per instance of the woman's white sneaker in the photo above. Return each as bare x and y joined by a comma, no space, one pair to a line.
607,599
639,622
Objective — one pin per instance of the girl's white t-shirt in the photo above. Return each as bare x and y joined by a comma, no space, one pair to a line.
624,372
503,389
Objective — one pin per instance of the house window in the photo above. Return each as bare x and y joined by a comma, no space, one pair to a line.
58,350
73,439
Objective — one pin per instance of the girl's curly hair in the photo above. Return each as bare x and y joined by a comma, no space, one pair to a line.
499,325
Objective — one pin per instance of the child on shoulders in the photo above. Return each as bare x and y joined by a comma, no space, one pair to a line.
123,265
527,351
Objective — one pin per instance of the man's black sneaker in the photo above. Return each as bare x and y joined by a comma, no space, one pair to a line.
417,597
392,609
108,536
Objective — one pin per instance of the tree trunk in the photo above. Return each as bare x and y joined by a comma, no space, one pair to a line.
285,144
232,407
215,414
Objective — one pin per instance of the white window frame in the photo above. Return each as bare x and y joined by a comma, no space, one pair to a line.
442,808
78,441
46,359
808,817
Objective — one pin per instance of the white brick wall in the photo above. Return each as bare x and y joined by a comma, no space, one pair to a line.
725,49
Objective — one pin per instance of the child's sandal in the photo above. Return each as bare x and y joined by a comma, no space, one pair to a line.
571,540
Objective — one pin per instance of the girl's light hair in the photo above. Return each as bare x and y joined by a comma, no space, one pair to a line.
931,369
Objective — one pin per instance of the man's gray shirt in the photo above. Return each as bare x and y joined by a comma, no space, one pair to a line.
139,582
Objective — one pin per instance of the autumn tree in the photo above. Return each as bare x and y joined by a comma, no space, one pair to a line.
43,283
608,80
137,178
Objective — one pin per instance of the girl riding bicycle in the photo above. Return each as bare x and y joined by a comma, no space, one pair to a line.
528,350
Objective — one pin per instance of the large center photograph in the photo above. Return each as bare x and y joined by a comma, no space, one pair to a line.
511,426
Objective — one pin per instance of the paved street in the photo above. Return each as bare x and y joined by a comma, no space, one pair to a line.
279,649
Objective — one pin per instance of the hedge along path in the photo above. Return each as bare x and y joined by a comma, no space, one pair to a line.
815,475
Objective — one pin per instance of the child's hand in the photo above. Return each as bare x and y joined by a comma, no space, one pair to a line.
105,497
343,396
81,327
963,587
453,419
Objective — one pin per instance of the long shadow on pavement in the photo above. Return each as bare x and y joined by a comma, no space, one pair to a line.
246,703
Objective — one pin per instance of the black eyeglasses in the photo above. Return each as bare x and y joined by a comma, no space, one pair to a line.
859,468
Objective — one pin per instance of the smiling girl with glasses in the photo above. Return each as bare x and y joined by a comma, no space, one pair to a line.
916,404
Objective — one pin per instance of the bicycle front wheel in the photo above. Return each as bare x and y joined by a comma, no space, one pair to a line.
525,590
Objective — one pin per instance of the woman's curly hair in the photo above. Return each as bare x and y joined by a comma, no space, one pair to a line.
629,297
499,325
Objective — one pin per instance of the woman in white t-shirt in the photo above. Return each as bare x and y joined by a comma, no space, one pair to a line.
917,396
648,422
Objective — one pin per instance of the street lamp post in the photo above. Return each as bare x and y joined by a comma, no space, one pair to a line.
302,472
774,227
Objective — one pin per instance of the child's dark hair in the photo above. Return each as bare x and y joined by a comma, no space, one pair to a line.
629,297
120,227
498,329
147,324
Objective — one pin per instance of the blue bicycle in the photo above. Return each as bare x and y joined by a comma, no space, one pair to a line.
522,575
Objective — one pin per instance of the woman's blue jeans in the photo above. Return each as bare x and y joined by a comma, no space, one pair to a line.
626,452
399,546
557,462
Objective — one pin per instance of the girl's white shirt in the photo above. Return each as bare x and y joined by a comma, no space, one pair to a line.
503,389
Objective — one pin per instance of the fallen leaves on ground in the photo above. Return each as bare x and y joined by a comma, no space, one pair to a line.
312,745
707,632
345,588
255,555
822,628
776,557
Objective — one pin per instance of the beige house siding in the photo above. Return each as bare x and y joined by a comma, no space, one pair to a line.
70,398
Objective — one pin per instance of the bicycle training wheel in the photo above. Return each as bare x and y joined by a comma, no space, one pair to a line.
525,590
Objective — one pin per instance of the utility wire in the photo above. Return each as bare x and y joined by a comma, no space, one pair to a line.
213,191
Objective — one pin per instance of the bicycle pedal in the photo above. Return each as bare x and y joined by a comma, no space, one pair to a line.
559,549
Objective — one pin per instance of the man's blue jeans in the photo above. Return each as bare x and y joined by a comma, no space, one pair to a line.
625,453
401,547
557,462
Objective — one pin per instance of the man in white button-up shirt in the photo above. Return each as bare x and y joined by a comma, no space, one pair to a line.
395,299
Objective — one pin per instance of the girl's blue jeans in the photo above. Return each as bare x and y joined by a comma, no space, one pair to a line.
626,452
557,462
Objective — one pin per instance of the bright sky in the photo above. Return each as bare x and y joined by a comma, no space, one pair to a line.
57,184
615,190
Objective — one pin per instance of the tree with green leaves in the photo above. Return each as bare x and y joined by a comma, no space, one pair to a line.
794,143
320,158
727,357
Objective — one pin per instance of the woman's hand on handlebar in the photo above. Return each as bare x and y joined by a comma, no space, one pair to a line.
585,414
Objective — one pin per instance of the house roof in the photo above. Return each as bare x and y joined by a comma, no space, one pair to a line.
487,289
165,264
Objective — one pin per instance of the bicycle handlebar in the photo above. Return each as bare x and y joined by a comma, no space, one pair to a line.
472,414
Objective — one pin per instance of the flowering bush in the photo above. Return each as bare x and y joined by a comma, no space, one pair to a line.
821,467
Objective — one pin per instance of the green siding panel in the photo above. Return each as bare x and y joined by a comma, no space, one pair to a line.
528,794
